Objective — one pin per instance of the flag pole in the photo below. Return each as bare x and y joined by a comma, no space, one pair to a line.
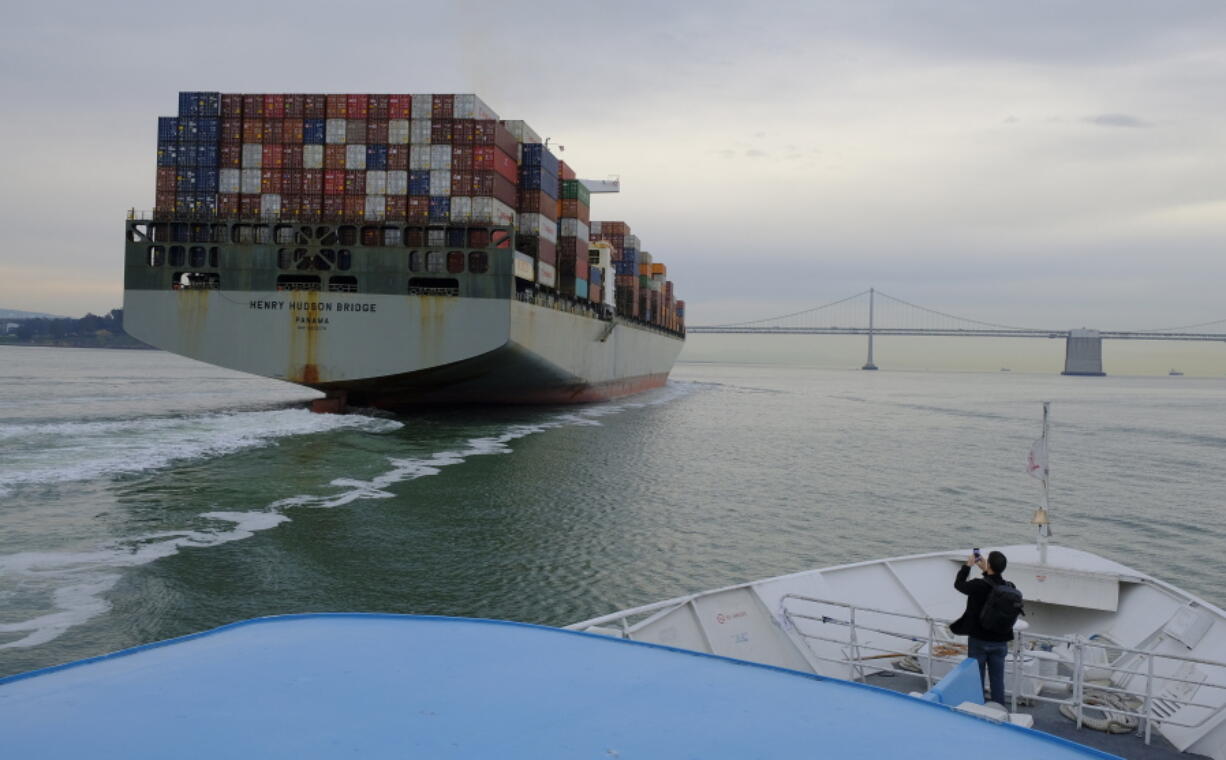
1037,466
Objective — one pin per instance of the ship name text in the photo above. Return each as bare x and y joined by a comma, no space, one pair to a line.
317,306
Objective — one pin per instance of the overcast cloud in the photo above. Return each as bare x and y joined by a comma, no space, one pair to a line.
1038,163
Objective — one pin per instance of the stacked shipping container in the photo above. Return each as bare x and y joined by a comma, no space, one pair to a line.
430,159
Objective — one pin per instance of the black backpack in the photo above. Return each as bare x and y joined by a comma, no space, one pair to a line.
1001,608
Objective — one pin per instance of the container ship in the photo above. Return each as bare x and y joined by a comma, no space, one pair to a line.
391,251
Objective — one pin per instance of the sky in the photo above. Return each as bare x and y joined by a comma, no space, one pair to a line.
1034,164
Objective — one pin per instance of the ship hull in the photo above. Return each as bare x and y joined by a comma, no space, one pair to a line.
401,351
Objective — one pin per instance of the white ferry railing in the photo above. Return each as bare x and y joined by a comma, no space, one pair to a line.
1152,709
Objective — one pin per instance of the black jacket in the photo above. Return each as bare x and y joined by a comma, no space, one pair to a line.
976,594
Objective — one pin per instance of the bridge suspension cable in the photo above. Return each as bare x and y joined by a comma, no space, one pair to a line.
957,318
795,313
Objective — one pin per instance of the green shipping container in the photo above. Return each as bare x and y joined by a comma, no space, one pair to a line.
574,189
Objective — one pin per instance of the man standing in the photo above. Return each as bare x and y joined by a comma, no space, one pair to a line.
988,646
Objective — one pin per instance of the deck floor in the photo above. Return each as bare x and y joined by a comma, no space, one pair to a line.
1047,718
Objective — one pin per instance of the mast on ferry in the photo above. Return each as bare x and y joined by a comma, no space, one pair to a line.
1036,465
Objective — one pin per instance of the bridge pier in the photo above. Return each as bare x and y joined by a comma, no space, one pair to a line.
1083,353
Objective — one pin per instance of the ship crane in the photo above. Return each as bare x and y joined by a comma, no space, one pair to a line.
611,185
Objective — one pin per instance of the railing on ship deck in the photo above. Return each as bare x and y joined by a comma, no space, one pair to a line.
1088,656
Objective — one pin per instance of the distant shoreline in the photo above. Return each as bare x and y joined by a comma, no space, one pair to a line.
28,344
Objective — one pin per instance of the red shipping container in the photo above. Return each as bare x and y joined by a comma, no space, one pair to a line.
272,130
564,171
461,182
595,293
227,204
572,257
274,106
166,180
270,181
253,130
537,202
253,106
397,206
165,201
547,252
478,238
575,209
249,203
440,131
291,206
333,206
313,181
336,107
506,166
231,106
505,190
272,156
291,131
355,206
291,156
484,131
400,106
482,184
616,229
462,131
230,156
418,209
357,106
483,157
398,157
461,158
355,182
442,107
291,181
231,130
295,106
355,131
314,106
334,181
334,156
376,131
379,105
506,141
311,206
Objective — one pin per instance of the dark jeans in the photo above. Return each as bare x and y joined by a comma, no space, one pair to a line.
991,656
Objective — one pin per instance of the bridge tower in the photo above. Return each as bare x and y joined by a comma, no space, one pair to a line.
869,364
1083,353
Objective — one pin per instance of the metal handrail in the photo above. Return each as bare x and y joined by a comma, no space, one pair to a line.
1076,643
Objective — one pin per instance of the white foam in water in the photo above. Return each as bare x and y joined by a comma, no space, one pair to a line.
81,579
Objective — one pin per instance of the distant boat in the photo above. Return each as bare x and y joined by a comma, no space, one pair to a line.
1175,373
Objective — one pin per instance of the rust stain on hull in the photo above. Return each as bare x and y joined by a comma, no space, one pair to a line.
305,335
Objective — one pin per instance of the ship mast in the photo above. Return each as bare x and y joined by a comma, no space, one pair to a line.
1036,465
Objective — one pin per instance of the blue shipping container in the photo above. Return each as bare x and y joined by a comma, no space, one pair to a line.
206,155
630,254
440,208
456,236
596,275
168,129
536,154
206,203
199,104
376,157
581,288
200,129
186,155
206,180
625,267
185,180
313,131
536,178
419,182
168,155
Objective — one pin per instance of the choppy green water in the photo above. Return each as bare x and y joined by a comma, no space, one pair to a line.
144,496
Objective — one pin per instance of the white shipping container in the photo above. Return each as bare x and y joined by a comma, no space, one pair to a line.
546,274
253,155
573,228
334,131
631,241
312,156
397,182
487,210
595,228
440,182
538,224
376,206
250,183
376,182
355,156
423,105
522,132
436,237
230,181
461,209
472,107
398,132
419,131
270,205
440,156
483,111
419,157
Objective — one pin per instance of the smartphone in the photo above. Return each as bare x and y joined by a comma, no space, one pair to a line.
978,556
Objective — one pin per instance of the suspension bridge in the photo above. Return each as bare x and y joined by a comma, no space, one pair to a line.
873,313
